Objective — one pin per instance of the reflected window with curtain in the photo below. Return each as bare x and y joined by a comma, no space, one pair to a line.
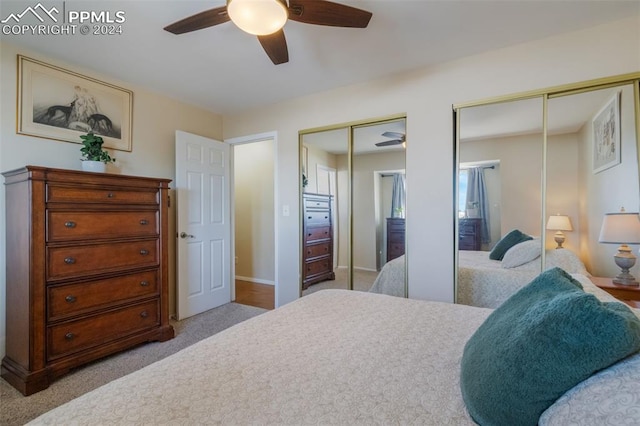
398,196
477,205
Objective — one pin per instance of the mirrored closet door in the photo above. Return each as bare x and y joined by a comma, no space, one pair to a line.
577,159
591,170
353,206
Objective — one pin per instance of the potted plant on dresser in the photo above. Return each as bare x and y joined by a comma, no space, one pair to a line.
94,158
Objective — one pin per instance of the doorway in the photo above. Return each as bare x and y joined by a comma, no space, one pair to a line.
254,219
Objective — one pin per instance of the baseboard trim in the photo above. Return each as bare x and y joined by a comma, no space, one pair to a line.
255,280
358,268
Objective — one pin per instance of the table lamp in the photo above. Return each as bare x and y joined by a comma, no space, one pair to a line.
622,228
559,223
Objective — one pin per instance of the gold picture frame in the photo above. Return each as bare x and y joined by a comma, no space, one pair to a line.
606,135
59,104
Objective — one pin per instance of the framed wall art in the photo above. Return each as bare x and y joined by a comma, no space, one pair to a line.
606,135
59,104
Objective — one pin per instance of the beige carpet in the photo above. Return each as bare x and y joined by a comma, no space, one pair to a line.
16,409
362,281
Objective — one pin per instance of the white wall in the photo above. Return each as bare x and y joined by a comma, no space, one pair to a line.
155,120
426,97
254,215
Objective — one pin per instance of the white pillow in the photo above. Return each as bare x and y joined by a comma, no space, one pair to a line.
610,397
522,253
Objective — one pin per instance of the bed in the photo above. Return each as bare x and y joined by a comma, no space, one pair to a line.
358,358
482,282
485,283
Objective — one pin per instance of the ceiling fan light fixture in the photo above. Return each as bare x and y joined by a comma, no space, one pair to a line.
258,17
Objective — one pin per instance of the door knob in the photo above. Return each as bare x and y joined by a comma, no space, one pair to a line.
185,235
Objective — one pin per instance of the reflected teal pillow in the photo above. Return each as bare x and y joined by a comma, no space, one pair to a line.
541,342
511,239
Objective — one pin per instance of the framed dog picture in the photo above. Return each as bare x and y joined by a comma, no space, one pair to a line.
606,135
59,104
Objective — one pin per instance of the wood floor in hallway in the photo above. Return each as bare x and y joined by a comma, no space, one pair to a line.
253,294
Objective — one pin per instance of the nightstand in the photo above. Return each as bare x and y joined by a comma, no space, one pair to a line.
626,293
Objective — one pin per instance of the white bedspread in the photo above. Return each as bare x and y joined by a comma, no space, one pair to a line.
391,278
485,283
333,357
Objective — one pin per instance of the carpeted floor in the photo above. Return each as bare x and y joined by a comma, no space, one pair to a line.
16,409
362,281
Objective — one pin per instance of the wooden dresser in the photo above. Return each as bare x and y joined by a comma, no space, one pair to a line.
395,237
317,250
469,234
86,269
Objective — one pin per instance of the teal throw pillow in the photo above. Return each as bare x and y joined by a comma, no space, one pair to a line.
541,342
511,239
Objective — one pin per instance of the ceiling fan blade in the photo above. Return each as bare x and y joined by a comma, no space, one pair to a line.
276,47
323,12
389,143
396,135
201,20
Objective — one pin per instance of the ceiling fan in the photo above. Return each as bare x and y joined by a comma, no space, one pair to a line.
265,19
399,139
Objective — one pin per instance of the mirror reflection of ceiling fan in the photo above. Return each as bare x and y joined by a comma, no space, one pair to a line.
398,139
265,19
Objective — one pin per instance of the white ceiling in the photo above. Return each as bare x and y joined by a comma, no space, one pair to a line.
225,70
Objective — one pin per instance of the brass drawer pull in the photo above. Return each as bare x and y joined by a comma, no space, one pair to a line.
144,252
144,283
69,336
110,195
70,224
69,260
144,314
144,222
70,299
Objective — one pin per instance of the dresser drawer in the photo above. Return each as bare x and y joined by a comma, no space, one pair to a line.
395,225
396,237
318,218
316,250
73,299
77,261
316,267
468,226
318,233
68,225
469,242
396,249
73,336
316,204
86,195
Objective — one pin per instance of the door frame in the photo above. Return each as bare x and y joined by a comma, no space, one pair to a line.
242,140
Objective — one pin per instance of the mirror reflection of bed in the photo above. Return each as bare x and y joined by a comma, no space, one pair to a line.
534,187
363,183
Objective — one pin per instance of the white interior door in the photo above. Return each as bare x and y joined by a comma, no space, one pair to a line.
203,224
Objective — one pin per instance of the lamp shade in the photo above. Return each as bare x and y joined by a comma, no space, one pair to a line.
559,223
620,228
258,17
